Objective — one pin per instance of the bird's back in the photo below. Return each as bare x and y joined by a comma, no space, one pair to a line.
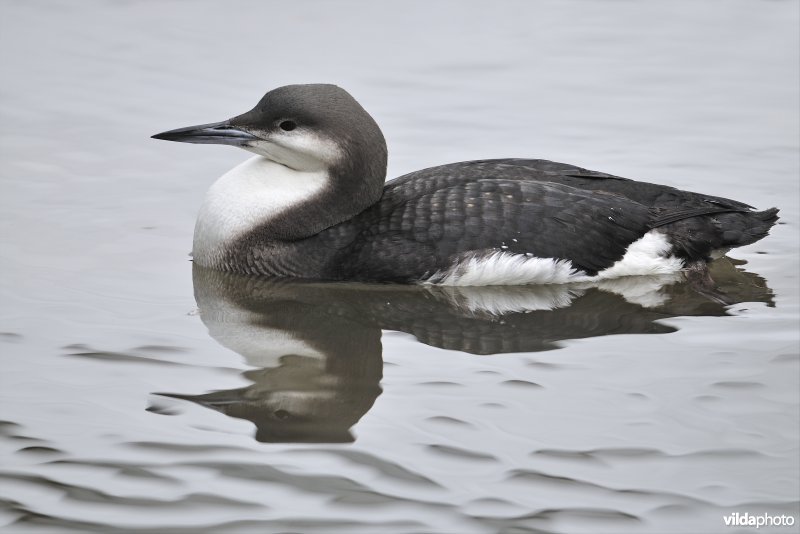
540,170
430,219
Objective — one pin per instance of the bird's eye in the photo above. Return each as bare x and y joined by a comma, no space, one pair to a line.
288,126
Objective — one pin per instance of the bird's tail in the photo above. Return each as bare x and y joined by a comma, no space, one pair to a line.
700,236
745,228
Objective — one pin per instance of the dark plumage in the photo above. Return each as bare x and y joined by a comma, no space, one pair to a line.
427,221
428,218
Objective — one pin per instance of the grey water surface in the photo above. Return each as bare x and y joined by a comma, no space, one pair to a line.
138,394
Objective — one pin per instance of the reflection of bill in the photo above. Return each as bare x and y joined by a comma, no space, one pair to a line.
317,346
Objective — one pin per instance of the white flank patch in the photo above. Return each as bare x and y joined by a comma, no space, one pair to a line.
647,256
505,269
246,196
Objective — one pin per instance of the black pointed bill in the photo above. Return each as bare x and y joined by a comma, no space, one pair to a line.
217,133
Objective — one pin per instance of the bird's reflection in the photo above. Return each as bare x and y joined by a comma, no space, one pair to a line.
317,349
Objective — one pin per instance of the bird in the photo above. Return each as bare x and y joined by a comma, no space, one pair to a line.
314,203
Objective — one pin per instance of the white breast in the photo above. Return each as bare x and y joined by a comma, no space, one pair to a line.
245,197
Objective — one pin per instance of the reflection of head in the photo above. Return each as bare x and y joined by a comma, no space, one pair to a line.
318,370
302,410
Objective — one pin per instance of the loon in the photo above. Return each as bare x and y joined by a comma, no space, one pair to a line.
313,204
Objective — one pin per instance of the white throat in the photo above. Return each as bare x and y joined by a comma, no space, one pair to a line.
245,197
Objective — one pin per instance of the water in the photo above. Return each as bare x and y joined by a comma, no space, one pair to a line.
285,407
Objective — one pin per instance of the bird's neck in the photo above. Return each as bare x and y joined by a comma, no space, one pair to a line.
277,202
